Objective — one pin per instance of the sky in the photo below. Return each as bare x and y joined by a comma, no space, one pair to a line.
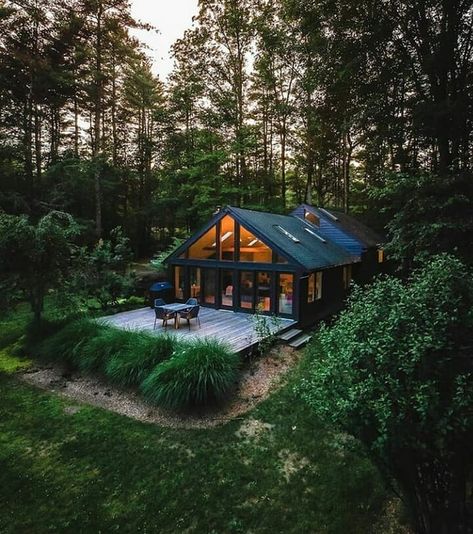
171,18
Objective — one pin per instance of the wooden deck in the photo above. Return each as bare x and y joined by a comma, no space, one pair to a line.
235,329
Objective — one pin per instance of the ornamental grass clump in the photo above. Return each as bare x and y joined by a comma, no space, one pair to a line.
66,344
138,357
95,352
200,372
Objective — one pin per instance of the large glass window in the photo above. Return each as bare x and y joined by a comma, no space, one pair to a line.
227,238
205,248
263,291
179,282
195,282
246,290
252,249
314,289
227,288
209,277
286,293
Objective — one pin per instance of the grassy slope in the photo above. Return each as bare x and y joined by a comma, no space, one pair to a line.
95,471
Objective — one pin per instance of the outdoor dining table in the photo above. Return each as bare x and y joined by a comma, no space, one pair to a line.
175,307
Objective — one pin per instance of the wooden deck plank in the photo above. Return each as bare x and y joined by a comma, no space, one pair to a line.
235,329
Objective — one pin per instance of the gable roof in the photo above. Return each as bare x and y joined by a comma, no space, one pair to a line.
345,230
290,236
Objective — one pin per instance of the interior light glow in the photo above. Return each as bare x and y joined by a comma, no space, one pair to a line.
226,236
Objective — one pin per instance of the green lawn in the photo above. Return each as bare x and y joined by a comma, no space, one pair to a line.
65,468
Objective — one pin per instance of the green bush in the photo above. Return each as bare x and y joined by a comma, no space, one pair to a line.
200,372
65,345
138,357
95,352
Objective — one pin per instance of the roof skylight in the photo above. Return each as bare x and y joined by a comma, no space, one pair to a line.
311,232
329,214
287,234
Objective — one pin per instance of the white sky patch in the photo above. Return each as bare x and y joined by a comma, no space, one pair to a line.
170,18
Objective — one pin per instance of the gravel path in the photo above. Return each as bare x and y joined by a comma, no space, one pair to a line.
258,380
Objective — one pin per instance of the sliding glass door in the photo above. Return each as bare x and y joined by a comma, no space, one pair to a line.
209,279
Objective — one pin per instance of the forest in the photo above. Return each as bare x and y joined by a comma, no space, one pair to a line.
271,102
361,107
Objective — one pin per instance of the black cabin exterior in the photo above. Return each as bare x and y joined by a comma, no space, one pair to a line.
284,265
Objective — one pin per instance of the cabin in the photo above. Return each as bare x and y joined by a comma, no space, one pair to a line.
348,232
296,266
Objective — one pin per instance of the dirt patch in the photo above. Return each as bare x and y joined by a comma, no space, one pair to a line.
291,463
253,429
258,380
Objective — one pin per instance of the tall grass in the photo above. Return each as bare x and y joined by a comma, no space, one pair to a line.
200,372
65,345
95,352
169,372
138,357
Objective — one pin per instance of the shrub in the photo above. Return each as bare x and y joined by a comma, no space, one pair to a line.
65,344
93,353
138,357
395,371
200,372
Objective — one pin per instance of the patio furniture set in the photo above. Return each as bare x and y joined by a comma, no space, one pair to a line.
177,311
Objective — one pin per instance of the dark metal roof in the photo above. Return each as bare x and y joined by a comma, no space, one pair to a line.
299,242
345,230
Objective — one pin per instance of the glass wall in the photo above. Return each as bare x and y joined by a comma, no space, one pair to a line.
227,239
179,283
226,288
195,282
263,291
286,293
209,278
246,290
252,249
205,248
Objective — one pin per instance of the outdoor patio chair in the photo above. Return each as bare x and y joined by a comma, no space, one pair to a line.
163,315
159,302
193,302
191,313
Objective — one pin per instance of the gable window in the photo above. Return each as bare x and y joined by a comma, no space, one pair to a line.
253,249
314,288
227,239
205,248
347,276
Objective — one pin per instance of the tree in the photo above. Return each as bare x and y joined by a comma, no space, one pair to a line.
427,215
35,258
395,370
103,272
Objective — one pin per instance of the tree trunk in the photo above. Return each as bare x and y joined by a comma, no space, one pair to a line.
97,122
